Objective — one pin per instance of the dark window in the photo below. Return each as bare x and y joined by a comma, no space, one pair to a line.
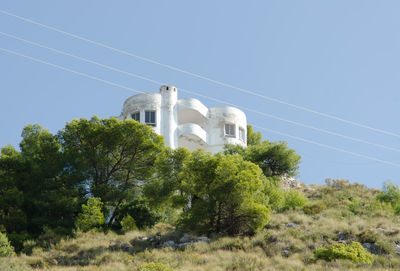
136,116
150,118
230,130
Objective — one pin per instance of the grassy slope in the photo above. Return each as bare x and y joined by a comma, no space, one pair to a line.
350,213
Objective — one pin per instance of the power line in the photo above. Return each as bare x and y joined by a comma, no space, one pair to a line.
72,71
134,90
328,146
198,94
254,93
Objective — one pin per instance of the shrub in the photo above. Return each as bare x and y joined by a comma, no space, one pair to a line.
29,245
91,215
313,208
50,237
354,252
390,193
154,267
293,199
5,248
139,210
128,224
17,240
275,194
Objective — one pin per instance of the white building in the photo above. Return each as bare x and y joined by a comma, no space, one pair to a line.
187,122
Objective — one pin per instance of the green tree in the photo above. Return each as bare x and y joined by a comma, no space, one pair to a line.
225,194
114,157
52,194
253,138
13,216
36,192
274,158
91,216
166,189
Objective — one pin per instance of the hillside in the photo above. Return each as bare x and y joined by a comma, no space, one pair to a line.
337,213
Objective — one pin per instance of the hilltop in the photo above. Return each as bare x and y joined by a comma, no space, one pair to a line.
106,194
337,213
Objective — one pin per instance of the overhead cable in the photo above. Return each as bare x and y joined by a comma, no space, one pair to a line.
204,96
251,92
137,91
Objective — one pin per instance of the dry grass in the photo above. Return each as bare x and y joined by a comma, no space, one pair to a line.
287,243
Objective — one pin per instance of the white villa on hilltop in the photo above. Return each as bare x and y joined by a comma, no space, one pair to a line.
187,122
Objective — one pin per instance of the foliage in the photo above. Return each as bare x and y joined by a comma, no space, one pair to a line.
154,267
293,199
225,194
354,252
275,194
128,224
253,138
143,215
313,208
274,158
36,191
5,247
166,189
91,216
390,194
113,157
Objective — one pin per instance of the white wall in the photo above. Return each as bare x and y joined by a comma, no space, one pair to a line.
187,122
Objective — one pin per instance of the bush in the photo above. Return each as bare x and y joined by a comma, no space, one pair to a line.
154,267
313,208
29,245
275,194
293,199
5,248
390,193
17,240
128,224
139,210
91,216
354,252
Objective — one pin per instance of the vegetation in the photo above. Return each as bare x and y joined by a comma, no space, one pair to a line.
354,252
104,194
91,216
5,248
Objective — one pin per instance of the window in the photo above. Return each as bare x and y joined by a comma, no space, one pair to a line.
136,116
150,118
230,130
242,134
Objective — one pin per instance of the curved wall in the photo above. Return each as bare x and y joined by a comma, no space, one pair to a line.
141,103
187,122
218,117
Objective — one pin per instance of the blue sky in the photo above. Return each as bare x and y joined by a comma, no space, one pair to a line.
337,57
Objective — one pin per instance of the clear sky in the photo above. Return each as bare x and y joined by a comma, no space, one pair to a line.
337,57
